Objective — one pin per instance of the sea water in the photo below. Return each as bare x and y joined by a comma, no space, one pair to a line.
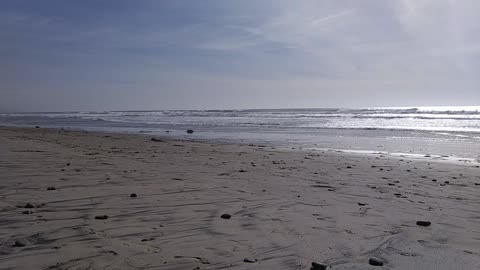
442,131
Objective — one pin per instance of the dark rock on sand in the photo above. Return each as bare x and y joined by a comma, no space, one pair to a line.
156,140
37,127
133,195
30,205
424,223
375,261
22,243
250,260
226,216
101,217
51,188
362,204
27,212
190,131
148,239
318,266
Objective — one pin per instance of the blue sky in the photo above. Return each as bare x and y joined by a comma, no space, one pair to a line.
146,54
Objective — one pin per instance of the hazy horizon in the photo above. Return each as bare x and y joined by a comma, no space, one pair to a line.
214,55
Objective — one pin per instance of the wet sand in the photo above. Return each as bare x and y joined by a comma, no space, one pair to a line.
288,208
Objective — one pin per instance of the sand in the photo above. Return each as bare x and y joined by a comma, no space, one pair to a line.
288,208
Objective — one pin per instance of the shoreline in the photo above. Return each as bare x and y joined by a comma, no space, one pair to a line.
410,155
288,208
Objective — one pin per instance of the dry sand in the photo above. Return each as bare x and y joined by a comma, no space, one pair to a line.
288,208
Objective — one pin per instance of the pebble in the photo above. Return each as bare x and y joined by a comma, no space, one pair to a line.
51,188
133,195
156,140
101,217
250,260
375,262
226,216
424,223
21,243
190,131
30,205
318,266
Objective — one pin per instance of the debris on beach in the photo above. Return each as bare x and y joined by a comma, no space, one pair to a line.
424,223
375,261
318,266
226,216
21,243
30,205
249,260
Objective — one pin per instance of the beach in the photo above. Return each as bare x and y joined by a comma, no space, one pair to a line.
90,200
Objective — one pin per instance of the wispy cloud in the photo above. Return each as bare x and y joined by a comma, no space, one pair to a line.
310,48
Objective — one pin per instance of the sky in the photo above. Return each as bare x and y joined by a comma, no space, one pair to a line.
69,55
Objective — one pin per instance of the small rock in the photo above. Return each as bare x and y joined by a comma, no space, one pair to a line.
250,260
51,188
190,131
241,170
133,195
148,239
318,266
68,164
101,217
27,212
362,204
226,216
375,262
30,205
22,243
156,140
424,223
37,127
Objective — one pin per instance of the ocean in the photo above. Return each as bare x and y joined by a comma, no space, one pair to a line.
452,131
